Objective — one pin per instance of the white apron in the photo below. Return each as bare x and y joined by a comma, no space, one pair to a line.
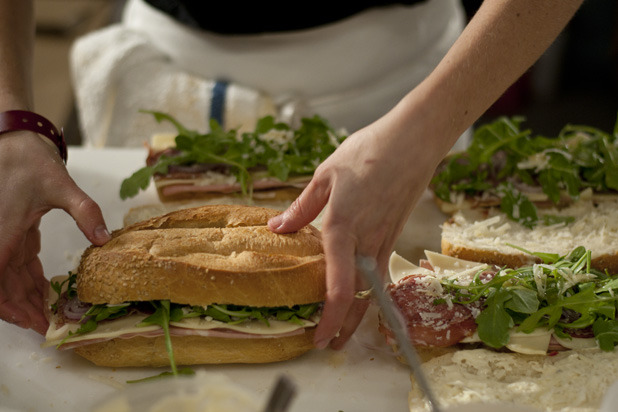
350,72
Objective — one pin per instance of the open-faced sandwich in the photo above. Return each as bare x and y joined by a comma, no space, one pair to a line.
518,172
273,162
529,335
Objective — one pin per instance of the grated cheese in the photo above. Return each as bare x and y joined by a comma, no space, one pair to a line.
595,228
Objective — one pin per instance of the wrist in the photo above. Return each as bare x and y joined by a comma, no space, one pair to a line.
15,120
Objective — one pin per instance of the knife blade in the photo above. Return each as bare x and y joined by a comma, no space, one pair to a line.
368,268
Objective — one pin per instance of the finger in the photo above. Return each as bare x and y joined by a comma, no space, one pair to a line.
302,211
340,285
352,320
24,316
39,321
20,303
86,212
36,314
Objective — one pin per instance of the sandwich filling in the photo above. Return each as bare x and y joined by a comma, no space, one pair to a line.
508,166
561,303
75,323
273,156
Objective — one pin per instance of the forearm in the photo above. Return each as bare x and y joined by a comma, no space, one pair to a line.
16,44
499,44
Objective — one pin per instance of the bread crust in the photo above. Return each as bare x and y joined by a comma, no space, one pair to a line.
210,254
514,260
491,257
195,350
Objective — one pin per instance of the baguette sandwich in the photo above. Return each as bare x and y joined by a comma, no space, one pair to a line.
205,285
273,163
540,336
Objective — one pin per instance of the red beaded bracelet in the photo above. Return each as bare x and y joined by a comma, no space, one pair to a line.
14,120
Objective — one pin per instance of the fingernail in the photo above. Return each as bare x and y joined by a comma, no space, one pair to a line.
102,233
276,222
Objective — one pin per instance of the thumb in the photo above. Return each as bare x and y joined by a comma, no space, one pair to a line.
302,211
87,215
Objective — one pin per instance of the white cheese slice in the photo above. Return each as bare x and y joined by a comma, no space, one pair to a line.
534,343
577,343
255,327
398,268
128,324
444,262
162,141
107,330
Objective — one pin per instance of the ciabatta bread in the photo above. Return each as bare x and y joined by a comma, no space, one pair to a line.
484,235
212,254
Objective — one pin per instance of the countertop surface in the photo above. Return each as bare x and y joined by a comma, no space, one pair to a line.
364,376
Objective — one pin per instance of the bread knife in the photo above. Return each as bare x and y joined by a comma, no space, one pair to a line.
368,267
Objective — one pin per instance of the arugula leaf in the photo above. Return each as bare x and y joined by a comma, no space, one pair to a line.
517,206
233,314
494,322
161,317
606,333
550,314
162,375
542,296
58,287
502,153
545,257
522,300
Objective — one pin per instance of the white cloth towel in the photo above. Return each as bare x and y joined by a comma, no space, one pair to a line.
118,73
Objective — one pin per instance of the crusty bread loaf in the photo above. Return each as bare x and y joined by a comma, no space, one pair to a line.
211,254
483,235
150,210
194,350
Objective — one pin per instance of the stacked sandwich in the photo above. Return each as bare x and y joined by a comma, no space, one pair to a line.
204,285
521,306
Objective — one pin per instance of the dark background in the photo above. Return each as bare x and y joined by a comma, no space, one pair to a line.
575,81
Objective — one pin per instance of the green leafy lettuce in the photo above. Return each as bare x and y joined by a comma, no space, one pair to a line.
273,149
562,293
503,153
164,312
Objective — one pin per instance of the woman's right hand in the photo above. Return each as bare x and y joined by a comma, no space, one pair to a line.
34,181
